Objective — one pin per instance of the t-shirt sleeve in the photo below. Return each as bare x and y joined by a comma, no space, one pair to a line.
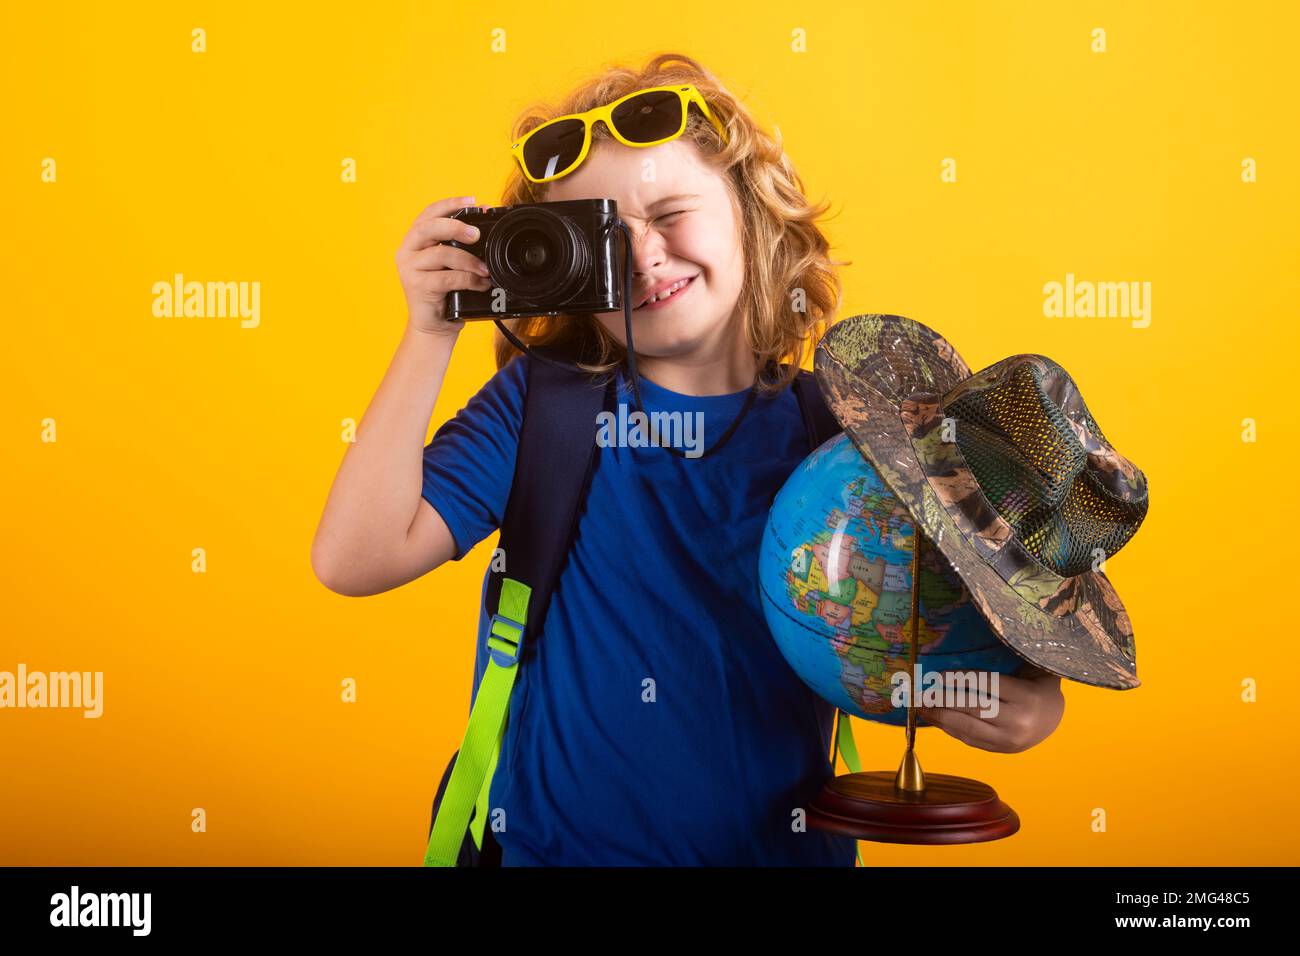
469,464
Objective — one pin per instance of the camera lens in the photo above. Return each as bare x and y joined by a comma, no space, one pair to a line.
538,257
530,250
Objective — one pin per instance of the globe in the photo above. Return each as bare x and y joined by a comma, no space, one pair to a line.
835,576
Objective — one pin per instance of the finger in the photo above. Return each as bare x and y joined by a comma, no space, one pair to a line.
989,714
934,717
1031,683
446,257
445,207
441,281
437,210
1007,687
967,689
973,731
430,232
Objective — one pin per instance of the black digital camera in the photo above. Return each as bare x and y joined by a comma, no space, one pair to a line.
545,258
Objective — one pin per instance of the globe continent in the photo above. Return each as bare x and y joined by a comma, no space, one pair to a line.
835,575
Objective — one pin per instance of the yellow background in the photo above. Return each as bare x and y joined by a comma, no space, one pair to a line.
222,690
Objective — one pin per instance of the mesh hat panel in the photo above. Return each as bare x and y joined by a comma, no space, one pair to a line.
1032,467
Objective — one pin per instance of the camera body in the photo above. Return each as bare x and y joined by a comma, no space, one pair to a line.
545,258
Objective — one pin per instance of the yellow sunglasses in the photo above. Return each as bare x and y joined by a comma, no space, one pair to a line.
645,118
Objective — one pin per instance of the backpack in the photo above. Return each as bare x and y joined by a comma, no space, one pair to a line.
553,467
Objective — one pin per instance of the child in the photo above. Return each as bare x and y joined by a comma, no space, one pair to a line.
658,722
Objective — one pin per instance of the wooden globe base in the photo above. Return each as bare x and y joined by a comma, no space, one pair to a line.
949,810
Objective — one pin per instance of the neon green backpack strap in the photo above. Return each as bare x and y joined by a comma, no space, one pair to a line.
849,751
471,776
481,806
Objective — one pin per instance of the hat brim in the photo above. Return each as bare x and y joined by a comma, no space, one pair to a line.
874,371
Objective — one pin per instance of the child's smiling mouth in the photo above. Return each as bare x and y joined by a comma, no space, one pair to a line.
668,295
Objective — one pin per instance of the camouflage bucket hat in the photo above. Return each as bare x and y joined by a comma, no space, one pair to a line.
1008,474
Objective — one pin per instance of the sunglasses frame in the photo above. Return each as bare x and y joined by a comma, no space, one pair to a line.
686,95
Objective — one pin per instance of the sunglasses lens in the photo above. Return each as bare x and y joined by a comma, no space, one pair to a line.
649,116
554,148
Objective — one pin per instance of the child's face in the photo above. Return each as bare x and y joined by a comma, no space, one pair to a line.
697,237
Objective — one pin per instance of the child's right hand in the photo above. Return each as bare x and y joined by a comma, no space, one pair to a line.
429,268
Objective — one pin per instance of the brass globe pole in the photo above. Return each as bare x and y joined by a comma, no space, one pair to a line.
906,807
910,776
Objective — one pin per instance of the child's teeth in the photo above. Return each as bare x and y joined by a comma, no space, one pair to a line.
667,292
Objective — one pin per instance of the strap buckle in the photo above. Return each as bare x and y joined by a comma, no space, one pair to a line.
504,644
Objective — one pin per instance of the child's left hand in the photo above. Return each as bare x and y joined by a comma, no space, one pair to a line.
1030,707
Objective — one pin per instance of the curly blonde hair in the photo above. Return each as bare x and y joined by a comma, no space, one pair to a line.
784,250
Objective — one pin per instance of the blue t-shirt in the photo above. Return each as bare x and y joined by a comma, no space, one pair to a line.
657,723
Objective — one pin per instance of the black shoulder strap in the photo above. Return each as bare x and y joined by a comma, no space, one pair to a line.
553,463
817,417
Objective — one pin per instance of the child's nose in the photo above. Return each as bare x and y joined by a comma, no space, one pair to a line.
647,251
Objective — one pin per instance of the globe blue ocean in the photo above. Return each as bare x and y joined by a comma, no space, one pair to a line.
835,575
